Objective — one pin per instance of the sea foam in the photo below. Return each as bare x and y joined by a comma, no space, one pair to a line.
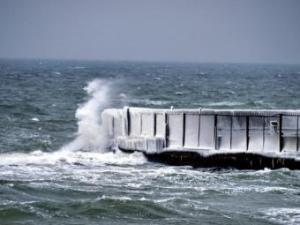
90,144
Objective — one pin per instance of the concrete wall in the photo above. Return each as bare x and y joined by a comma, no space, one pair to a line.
236,130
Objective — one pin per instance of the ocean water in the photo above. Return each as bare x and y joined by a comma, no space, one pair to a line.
55,169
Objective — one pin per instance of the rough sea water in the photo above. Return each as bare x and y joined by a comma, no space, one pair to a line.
55,169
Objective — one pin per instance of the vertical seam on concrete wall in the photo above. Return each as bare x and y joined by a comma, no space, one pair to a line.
127,121
230,143
183,129
154,124
166,129
297,135
199,127
280,132
215,131
264,124
247,133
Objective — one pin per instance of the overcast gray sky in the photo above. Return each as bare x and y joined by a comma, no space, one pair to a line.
154,30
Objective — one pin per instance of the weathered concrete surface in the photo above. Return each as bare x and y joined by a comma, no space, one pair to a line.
205,137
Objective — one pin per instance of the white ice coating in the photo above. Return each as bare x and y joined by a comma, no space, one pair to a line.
207,131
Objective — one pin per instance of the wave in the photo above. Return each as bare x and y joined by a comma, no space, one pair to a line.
90,143
148,102
90,133
78,67
226,103
71,157
283,215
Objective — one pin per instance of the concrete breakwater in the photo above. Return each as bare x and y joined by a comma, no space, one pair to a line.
244,139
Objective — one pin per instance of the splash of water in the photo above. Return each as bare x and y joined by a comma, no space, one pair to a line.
90,144
90,134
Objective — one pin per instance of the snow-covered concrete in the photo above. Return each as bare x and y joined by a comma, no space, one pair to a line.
271,133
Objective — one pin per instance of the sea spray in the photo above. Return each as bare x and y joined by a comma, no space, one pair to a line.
90,134
89,146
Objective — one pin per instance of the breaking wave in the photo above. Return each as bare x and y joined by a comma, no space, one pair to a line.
90,143
64,157
90,134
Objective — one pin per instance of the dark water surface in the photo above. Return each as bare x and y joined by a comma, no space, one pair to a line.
54,170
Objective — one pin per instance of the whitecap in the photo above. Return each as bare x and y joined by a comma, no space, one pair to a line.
41,158
123,95
148,102
78,67
225,103
283,215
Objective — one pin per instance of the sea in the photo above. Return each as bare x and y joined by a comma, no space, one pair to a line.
54,168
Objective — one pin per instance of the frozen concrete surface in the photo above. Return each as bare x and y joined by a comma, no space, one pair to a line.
209,134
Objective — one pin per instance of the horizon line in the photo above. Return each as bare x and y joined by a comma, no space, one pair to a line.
149,61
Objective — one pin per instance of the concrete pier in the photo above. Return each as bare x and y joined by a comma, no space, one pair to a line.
245,139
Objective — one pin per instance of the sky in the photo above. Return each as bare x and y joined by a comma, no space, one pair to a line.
251,31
